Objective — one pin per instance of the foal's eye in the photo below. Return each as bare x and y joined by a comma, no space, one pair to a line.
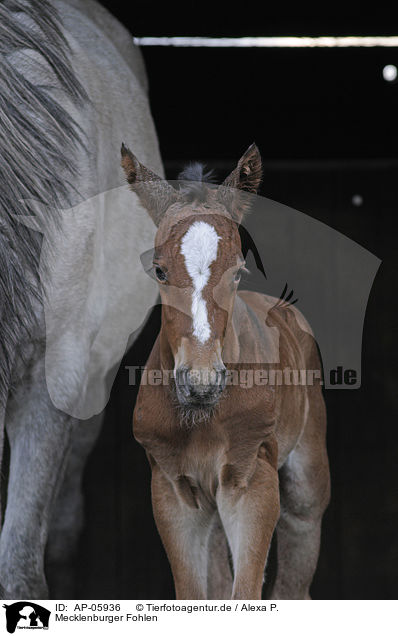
160,274
238,275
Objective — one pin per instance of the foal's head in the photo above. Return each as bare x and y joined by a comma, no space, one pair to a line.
197,262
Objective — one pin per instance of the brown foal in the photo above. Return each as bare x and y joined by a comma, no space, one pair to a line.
230,464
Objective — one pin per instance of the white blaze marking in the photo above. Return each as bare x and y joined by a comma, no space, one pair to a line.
199,248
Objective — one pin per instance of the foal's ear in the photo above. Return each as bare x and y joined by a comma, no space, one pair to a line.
246,177
155,194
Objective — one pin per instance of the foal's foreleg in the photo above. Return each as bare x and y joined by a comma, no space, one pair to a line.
219,572
249,515
184,530
304,487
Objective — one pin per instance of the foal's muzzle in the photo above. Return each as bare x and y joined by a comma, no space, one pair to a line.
200,388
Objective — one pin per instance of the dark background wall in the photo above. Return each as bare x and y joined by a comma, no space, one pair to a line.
325,122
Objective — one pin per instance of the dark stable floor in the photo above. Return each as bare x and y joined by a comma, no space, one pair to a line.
120,553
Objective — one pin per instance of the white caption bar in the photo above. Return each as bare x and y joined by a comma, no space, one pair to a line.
272,42
153,618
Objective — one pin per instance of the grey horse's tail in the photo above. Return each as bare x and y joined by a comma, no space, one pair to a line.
38,141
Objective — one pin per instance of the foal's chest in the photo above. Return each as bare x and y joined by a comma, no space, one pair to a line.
197,460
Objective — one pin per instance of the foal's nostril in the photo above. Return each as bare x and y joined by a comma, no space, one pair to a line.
200,386
182,380
221,378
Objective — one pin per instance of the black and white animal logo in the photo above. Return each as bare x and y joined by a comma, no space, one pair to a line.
26,615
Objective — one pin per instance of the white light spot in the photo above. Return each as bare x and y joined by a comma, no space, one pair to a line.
390,73
199,248
357,200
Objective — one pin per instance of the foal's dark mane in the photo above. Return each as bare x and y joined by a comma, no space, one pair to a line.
38,140
194,179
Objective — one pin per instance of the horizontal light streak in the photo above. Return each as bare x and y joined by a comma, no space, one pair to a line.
388,41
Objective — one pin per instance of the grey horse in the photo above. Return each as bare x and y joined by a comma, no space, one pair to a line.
73,87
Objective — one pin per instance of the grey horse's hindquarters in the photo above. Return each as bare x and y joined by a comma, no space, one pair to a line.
96,278
110,67
56,386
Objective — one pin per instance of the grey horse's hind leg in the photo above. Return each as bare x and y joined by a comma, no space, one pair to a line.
304,492
2,435
68,513
39,438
